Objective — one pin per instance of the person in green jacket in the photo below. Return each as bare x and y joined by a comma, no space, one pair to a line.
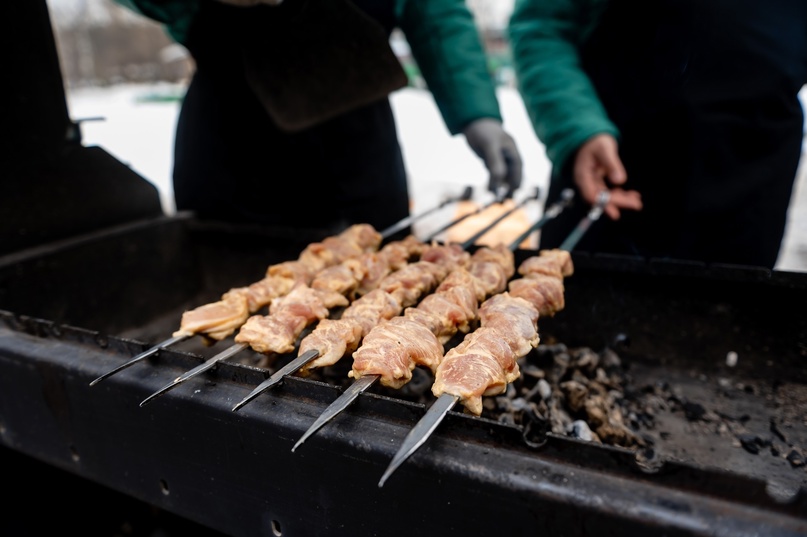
686,111
234,162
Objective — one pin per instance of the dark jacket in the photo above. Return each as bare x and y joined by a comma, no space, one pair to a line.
702,96
441,33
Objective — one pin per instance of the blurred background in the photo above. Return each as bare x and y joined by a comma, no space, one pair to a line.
125,79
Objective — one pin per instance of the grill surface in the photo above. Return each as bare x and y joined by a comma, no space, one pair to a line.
75,310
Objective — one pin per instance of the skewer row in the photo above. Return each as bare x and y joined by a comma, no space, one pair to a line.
489,304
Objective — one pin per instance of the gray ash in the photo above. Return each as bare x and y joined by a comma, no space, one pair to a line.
571,392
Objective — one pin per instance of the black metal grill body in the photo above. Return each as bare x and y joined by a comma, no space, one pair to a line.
74,310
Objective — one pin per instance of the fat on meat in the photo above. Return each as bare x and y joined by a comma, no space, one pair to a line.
394,352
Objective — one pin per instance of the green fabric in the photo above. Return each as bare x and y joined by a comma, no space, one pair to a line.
562,103
447,48
441,33
176,15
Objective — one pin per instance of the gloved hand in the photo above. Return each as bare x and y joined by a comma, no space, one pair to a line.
249,3
498,150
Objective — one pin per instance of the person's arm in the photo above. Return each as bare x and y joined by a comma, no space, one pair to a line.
559,97
561,101
175,15
445,43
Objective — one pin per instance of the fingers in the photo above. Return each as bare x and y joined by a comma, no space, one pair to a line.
504,166
515,167
497,167
621,200
598,167
498,151
607,154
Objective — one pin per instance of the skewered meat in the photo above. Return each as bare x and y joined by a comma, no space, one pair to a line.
335,339
333,286
543,292
542,282
343,278
447,309
392,349
485,362
554,262
482,365
218,320
352,242
288,316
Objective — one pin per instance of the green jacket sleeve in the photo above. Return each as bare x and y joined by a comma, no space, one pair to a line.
446,46
562,103
176,15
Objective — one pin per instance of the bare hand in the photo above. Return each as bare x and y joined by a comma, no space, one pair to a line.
597,167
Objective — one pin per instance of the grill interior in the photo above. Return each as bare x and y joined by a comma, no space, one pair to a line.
662,331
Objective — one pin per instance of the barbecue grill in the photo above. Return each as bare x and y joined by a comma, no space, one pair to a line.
99,283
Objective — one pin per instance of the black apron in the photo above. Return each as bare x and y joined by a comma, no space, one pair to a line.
705,95
232,162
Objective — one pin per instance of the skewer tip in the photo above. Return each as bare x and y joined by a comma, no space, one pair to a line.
339,405
278,376
143,355
158,393
420,433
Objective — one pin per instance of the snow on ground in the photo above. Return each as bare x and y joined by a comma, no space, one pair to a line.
140,133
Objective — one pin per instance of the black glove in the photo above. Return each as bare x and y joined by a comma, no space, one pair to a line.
499,152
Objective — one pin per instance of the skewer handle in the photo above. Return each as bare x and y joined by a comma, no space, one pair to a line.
466,195
500,197
554,210
472,240
592,216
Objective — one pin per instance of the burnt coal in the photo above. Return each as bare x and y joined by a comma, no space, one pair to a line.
796,458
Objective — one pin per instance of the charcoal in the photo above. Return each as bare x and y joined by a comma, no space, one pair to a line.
693,411
750,443
580,429
777,431
796,458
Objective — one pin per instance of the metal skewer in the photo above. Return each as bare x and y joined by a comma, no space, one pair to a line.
142,356
592,216
476,236
198,370
500,197
551,212
302,360
363,383
429,422
278,376
466,194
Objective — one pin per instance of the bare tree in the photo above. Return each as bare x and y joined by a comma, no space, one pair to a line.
102,43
